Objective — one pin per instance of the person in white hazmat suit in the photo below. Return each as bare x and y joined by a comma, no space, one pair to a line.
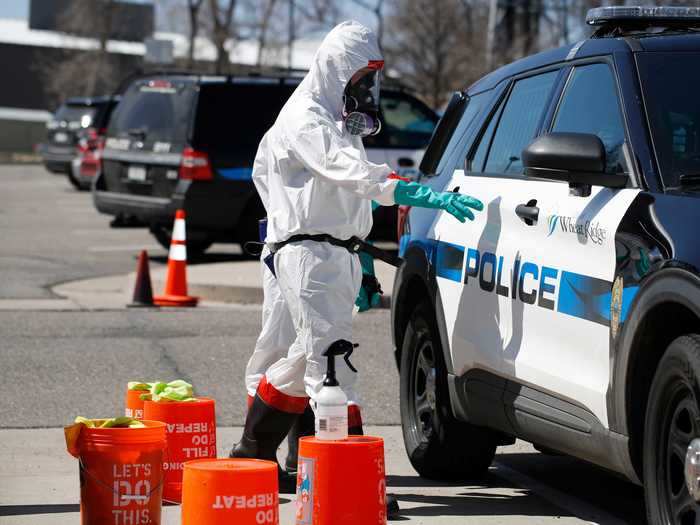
317,187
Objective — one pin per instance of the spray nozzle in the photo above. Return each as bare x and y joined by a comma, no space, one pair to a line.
340,347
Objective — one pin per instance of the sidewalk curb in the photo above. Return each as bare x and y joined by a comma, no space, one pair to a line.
221,293
115,291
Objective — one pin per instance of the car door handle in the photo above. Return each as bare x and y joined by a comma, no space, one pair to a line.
528,213
405,162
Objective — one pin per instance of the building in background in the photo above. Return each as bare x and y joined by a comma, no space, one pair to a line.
33,51
131,21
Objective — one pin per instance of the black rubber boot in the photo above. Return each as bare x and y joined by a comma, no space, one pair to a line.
303,426
392,507
265,429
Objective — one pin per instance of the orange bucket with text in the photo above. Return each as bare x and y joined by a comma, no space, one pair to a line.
225,491
133,404
191,433
341,482
121,474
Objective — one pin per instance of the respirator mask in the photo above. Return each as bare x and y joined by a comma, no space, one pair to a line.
361,101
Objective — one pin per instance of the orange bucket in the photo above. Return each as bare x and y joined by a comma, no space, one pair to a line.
341,482
191,431
134,404
121,474
224,491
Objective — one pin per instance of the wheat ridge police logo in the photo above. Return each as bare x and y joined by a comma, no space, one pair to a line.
588,230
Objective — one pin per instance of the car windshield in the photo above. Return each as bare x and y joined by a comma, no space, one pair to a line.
154,110
674,111
75,114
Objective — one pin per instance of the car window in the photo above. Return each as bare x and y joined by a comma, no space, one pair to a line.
157,109
518,123
673,108
406,122
477,162
590,105
463,134
236,116
80,116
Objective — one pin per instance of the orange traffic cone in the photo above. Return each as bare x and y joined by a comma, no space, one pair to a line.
176,281
143,292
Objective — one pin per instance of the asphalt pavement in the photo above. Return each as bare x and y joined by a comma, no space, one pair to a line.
69,354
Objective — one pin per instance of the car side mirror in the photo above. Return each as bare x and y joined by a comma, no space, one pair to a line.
443,133
576,158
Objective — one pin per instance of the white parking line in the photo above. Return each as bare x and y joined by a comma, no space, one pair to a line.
127,248
572,504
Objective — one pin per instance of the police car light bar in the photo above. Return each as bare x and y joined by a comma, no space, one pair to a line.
603,15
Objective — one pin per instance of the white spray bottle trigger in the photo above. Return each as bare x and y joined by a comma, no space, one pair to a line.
331,401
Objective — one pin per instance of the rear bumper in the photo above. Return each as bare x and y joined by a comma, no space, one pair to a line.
148,209
228,210
58,160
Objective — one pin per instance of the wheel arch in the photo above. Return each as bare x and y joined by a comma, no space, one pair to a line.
415,283
667,306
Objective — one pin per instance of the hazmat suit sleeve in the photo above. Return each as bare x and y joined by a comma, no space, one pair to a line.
260,172
327,153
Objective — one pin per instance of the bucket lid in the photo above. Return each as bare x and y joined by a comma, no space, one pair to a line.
234,464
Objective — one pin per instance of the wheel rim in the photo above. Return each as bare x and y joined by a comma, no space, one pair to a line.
424,390
680,426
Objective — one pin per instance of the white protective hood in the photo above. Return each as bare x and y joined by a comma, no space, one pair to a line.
312,176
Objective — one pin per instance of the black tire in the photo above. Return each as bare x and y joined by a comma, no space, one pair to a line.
438,445
672,421
197,243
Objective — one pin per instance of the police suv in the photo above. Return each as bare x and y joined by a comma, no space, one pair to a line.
568,313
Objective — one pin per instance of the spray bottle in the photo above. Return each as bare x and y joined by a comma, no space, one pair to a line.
331,401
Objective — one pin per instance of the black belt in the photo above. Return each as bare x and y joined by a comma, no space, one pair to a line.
353,245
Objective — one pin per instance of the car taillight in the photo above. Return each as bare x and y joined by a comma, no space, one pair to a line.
402,222
195,165
89,140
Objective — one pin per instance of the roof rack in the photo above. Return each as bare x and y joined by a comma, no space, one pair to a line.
615,20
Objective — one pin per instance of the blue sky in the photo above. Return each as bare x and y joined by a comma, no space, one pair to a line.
14,9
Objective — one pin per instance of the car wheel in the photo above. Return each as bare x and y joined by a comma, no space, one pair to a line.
197,243
672,422
438,445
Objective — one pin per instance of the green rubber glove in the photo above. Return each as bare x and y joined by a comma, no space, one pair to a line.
456,204
370,291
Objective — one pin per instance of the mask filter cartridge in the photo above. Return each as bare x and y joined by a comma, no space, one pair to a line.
362,124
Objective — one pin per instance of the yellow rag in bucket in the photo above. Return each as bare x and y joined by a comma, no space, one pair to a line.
72,432
177,390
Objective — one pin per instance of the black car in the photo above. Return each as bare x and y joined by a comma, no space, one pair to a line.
64,130
185,141
567,313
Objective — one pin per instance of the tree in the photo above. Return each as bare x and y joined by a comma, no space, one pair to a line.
86,72
193,8
428,46
221,30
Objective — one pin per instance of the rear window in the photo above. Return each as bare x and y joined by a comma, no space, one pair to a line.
75,114
236,116
154,110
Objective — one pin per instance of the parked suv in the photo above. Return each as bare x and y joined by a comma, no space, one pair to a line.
188,141
71,119
568,313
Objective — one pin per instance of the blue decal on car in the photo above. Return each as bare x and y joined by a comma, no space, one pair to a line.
585,297
236,173
448,262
